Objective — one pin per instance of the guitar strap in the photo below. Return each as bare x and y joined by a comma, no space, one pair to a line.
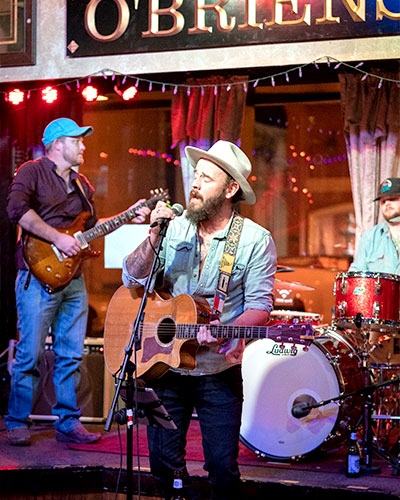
78,186
226,265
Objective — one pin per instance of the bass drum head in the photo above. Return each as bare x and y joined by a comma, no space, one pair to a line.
274,380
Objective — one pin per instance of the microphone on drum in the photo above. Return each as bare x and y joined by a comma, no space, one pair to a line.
303,405
301,410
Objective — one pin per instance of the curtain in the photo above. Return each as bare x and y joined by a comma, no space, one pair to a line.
203,112
370,110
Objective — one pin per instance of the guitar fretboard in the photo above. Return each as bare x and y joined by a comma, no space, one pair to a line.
277,332
112,224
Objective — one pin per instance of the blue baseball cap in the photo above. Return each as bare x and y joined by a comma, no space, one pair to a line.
63,127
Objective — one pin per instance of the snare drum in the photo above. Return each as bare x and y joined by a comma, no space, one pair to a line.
294,317
276,378
376,296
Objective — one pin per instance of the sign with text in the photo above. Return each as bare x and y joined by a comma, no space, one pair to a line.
101,27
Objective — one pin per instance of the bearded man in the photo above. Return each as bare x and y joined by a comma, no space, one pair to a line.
379,247
191,260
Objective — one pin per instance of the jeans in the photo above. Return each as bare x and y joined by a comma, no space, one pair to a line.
65,312
218,402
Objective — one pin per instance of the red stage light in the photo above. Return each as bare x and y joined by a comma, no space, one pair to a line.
16,96
49,95
90,93
129,93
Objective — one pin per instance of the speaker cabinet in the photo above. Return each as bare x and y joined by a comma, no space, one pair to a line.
90,391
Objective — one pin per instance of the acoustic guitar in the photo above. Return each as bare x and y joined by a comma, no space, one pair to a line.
55,269
168,332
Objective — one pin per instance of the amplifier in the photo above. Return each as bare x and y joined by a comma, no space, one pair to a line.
90,391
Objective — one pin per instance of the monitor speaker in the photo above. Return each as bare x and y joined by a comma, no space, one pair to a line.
90,391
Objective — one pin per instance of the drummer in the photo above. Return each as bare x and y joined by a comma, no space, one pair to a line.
379,247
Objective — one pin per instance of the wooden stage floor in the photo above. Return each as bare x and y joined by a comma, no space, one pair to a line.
46,467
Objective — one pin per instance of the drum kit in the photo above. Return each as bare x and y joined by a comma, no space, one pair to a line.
297,401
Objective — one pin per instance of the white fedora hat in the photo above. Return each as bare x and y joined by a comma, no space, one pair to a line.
230,158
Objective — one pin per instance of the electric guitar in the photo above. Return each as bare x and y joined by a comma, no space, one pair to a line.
55,269
168,332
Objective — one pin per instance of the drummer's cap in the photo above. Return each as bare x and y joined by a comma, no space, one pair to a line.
389,187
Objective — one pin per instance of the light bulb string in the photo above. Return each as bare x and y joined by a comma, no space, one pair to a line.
106,72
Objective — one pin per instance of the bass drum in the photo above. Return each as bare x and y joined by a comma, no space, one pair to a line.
278,377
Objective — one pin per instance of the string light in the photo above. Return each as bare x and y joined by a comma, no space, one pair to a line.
168,158
16,96
49,95
227,85
90,93
129,94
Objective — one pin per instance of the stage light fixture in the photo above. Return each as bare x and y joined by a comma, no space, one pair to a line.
49,95
16,96
90,93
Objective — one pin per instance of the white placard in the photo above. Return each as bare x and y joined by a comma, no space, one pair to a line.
121,242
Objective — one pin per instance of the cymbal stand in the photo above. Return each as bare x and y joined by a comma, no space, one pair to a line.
367,438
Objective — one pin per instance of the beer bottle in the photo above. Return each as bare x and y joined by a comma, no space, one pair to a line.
177,489
353,457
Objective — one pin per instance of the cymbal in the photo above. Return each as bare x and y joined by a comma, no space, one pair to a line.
284,269
292,285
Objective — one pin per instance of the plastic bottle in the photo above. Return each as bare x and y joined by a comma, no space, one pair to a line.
353,457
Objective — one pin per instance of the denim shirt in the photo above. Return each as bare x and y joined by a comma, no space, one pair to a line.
251,283
376,252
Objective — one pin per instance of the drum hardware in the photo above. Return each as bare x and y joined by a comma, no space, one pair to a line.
342,309
343,286
376,309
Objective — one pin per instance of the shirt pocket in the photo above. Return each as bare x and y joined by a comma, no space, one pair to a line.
179,258
237,275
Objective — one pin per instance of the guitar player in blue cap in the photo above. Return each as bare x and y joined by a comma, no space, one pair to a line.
47,194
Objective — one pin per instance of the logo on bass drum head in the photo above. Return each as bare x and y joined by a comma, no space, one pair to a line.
282,350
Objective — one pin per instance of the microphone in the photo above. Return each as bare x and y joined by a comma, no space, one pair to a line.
301,410
177,208
303,405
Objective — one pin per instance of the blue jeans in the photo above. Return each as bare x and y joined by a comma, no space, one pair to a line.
65,312
218,402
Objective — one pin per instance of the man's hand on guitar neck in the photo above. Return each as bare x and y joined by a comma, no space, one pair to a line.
232,349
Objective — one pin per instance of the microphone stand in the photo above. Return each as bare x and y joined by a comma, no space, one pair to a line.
128,368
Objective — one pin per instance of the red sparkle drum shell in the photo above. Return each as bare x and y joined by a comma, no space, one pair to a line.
376,296
294,317
277,377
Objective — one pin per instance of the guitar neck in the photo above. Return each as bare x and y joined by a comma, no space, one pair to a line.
111,225
278,332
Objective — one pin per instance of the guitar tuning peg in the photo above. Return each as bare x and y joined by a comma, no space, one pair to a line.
282,346
152,192
293,347
306,348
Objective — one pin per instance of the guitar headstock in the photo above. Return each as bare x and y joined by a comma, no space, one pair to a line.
299,333
158,194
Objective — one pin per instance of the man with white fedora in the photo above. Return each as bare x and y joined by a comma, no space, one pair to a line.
214,253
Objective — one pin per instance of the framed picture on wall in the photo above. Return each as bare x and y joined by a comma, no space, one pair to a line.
17,32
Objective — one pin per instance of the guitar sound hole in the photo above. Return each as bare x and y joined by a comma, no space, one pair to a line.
166,330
